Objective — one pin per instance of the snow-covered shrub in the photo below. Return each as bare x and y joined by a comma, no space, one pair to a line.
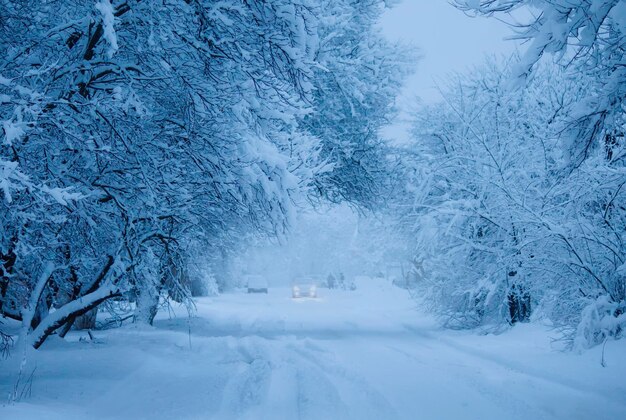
202,279
210,284
599,320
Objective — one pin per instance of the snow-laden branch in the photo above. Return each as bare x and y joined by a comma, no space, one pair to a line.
74,308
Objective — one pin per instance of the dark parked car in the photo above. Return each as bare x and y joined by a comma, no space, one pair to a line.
256,284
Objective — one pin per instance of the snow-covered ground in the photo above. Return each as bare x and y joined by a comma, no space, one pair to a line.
364,354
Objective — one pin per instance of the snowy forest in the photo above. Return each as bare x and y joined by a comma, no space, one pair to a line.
156,154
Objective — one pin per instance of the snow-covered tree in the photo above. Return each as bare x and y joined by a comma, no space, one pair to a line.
131,128
587,37
499,226
355,86
134,133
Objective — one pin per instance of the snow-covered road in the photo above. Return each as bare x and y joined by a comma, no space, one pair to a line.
353,355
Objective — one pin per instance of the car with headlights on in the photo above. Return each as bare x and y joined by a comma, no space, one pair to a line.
304,288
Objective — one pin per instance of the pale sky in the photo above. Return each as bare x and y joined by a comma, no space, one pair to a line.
448,39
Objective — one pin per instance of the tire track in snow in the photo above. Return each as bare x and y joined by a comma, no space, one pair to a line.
373,404
248,387
297,378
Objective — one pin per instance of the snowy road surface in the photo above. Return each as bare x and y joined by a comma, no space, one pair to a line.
367,354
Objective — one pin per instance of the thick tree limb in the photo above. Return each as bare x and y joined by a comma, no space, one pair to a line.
94,286
74,309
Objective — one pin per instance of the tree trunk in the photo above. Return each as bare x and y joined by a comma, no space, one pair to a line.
86,321
519,304
147,305
6,269
77,292
74,309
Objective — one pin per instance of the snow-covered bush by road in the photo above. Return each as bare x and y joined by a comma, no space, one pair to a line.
600,320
